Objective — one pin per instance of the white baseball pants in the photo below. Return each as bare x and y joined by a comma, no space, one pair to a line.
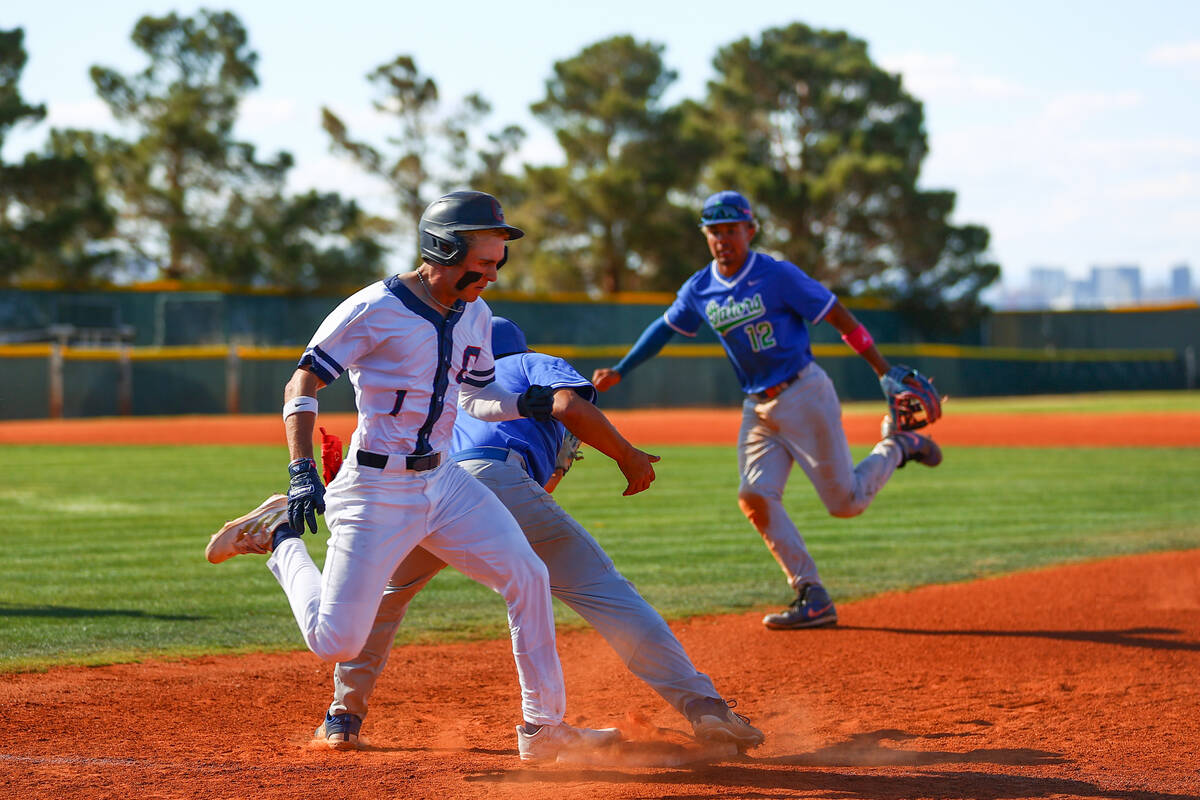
376,518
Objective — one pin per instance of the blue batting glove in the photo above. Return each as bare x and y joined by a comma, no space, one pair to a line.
306,495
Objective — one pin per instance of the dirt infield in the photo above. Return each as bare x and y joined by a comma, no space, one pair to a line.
1073,682
1079,681
677,426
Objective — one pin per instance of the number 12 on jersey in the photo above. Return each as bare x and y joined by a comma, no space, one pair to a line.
761,335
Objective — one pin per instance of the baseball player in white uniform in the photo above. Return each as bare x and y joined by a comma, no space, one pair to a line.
759,308
415,346
514,460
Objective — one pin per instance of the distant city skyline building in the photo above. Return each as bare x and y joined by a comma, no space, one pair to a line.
1117,285
1083,294
1052,287
1181,281
1048,284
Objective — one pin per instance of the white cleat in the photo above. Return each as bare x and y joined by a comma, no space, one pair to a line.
713,720
886,427
248,534
550,741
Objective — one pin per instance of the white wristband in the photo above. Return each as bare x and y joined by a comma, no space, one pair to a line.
297,404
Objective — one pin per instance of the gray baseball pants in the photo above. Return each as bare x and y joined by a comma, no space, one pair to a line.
581,575
803,425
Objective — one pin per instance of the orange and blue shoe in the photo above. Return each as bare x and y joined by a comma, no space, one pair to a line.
339,731
812,608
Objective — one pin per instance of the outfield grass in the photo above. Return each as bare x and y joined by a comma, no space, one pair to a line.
104,545
1096,403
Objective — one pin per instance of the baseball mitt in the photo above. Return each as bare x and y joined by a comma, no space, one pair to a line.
912,400
568,453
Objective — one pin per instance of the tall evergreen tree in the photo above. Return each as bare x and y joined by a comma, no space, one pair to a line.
830,147
52,211
196,203
431,150
176,177
301,242
607,214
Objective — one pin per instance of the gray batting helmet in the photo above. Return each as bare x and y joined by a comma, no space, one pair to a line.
455,213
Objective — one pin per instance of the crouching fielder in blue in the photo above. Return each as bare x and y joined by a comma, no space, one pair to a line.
414,347
759,308
514,460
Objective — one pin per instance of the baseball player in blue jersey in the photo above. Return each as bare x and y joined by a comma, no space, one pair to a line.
415,347
759,308
515,459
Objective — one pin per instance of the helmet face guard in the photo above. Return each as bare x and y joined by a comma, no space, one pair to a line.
447,248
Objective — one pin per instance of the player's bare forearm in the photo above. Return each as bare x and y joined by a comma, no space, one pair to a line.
840,318
299,426
583,419
876,360
587,422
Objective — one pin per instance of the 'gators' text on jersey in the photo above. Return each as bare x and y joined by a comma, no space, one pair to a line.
759,315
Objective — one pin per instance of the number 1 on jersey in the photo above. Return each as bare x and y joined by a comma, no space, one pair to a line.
399,401
761,335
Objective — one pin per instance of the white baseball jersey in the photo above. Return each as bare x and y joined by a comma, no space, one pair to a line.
406,372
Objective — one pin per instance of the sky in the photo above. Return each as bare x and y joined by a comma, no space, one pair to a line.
1070,129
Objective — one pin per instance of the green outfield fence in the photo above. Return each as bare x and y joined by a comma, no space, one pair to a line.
143,352
56,381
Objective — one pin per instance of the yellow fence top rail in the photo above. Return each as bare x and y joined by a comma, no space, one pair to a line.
950,351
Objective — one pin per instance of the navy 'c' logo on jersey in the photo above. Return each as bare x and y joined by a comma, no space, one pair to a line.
470,353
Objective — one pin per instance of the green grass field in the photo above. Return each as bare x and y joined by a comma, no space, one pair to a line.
1097,403
104,545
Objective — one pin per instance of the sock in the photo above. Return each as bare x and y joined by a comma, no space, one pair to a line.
284,531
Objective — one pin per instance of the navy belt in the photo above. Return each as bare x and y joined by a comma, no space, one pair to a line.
774,391
485,453
414,463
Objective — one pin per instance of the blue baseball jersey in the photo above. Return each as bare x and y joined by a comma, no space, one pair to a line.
537,442
759,315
